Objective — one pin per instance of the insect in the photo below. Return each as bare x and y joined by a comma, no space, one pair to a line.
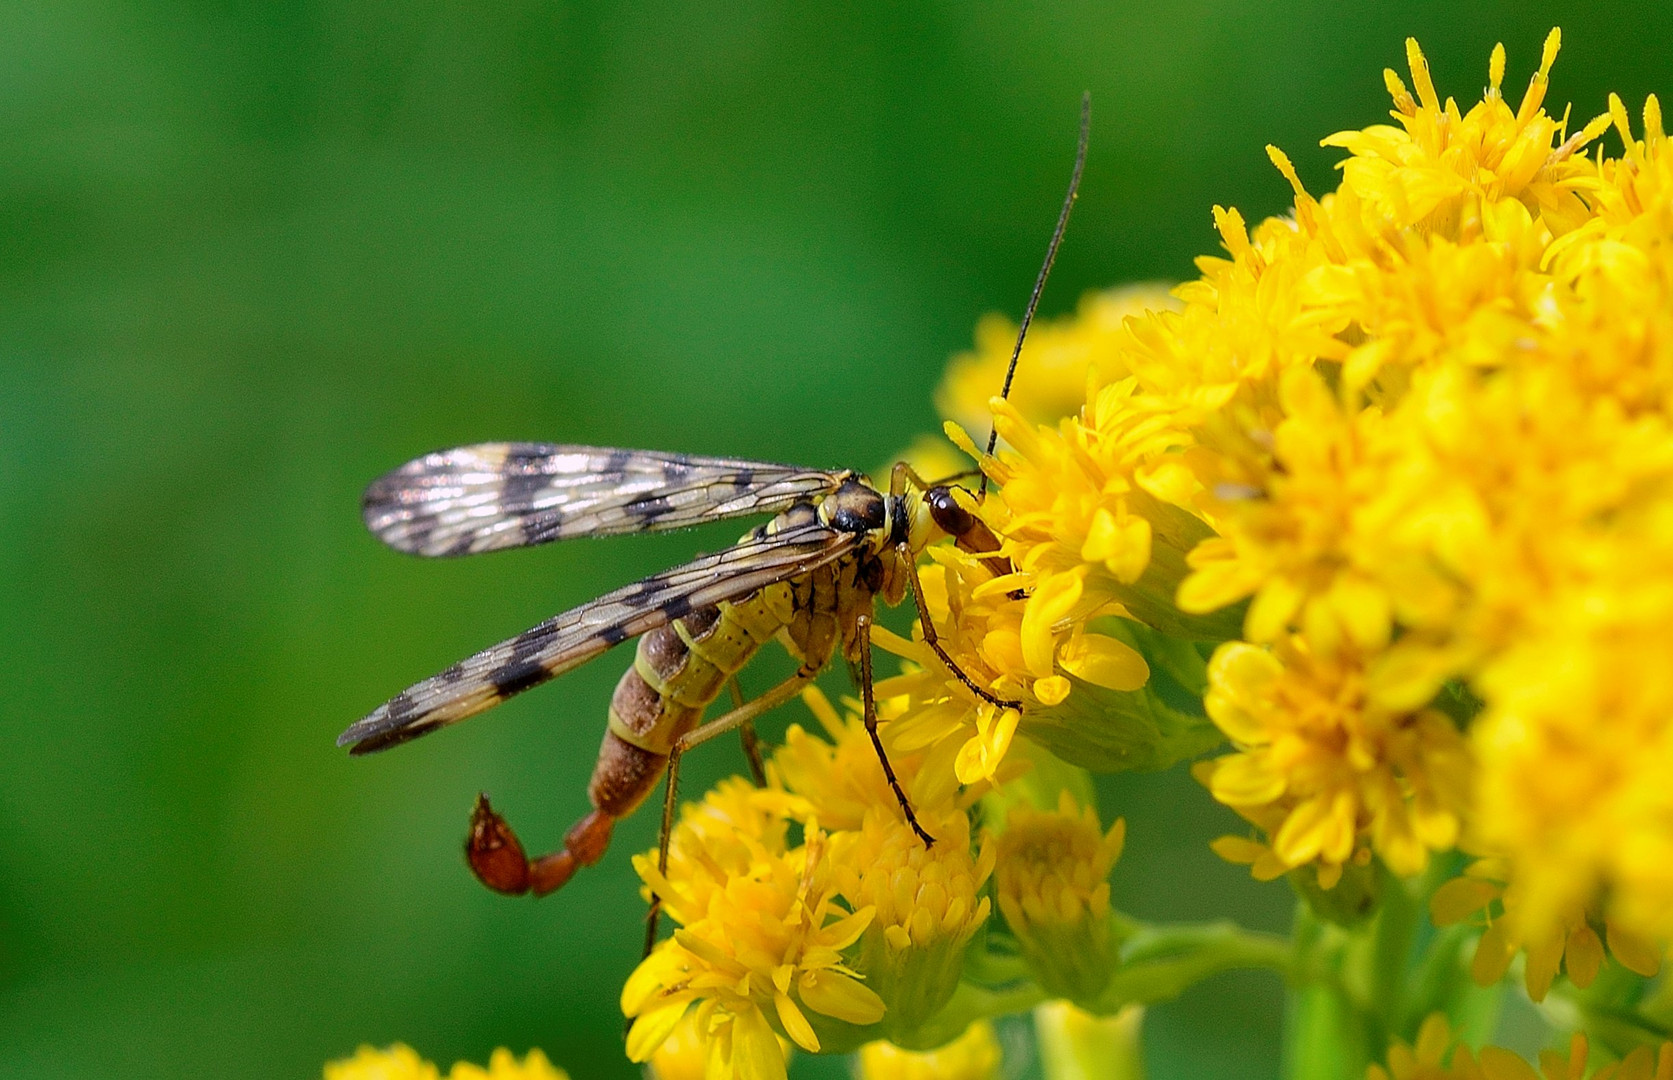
810,577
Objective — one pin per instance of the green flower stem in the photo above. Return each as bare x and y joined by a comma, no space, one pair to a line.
969,1004
1159,963
1615,1011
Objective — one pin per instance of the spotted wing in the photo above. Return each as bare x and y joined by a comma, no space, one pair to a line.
566,641
503,495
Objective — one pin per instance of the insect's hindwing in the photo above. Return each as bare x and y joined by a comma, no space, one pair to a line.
566,641
503,495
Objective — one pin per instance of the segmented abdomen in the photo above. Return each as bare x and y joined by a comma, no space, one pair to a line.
678,671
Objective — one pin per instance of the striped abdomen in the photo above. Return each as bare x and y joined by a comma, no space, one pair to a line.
678,671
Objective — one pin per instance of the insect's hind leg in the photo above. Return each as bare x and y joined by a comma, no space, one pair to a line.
743,717
746,735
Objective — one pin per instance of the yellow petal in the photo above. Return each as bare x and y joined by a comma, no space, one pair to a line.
755,1049
1104,661
795,1024
838,996
651,1028
1053,600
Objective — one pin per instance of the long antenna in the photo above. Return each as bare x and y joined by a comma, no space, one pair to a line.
1045,269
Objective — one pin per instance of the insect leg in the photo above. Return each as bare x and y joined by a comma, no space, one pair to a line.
746,735
869,714
741,716
933,640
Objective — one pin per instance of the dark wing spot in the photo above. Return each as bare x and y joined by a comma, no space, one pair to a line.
613,635
516,677
678,607
386,739
649,507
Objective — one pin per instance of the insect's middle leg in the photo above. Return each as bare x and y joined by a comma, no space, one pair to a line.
743,716
868,713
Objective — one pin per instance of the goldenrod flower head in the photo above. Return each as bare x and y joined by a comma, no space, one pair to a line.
1059,358
1074,1042
1326,770
1014,646
927,903
765,950
400,1062
503,1065
1434,1056
728,833
1423,427
1053,886
1568,941
975,1055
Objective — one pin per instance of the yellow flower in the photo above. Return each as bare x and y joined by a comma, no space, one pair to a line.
923,902
1011,645
399,1062
1423,425
403,1063
765,950
1057,360
975,1055
503,1065
1432,1057
1324,768
1568,941
1074,1042
1053,888
684,1054
927,902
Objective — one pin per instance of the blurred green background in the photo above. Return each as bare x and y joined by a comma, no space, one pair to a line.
252,255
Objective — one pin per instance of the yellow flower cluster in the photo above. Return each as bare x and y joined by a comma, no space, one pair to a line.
1423,429
1327,773
400,1062
1570,942
1435,1057
855,932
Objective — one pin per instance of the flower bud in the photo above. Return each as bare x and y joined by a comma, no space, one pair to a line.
927,904
1053,892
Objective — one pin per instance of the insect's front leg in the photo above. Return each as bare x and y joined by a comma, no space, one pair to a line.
933,640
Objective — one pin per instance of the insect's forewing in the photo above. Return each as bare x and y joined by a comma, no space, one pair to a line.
504,495
571,639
